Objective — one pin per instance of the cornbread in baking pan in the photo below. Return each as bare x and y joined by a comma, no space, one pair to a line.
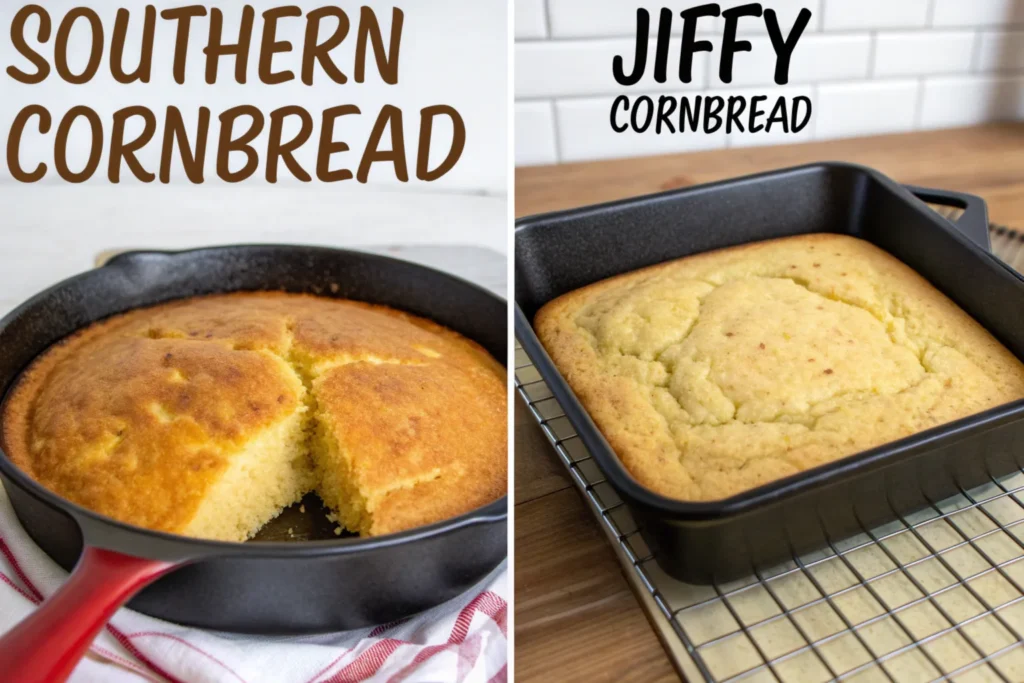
719,372
206,417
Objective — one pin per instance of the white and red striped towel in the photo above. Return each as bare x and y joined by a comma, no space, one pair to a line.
461,641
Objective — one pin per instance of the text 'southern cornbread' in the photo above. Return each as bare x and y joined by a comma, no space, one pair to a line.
207,416
713,374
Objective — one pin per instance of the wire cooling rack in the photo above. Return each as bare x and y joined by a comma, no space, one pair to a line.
937,595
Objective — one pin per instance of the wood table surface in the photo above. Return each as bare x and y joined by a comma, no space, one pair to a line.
575,616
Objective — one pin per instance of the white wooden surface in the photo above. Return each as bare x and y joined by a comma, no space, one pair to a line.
50,232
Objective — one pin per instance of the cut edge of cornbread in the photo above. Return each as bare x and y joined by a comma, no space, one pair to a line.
338,487
269,474
333,474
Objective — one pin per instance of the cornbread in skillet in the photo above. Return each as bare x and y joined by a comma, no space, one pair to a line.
206,417
716,373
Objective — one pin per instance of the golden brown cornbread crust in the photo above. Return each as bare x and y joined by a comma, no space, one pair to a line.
716,373
137,416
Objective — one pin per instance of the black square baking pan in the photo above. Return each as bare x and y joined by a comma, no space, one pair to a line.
706,542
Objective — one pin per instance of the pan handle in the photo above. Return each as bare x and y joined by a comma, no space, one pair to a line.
48,645
974,221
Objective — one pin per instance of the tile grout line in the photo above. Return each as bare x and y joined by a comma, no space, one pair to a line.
556,127
1013,27
600,95
844,33
919,104
815,92
979,38
873,56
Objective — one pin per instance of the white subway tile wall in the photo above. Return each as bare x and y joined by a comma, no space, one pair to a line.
560,68
536,142
963,100
923,53
865,108
822,58
868,66
866,15
978,12
531,19
1001,51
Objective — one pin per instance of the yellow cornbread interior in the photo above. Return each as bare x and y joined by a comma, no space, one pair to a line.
272,472
207,417
332,472
716,373
278,467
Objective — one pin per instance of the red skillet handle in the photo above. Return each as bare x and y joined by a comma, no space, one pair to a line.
48,645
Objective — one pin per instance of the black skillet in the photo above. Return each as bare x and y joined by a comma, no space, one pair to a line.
257,587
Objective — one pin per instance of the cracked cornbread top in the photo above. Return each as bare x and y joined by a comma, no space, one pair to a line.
143,416
716,373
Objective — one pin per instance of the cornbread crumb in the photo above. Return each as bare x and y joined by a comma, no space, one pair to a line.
716,373
302,509
208,416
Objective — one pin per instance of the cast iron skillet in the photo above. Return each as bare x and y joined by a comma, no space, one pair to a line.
260,588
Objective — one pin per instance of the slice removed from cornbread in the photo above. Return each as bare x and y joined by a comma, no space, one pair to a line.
396,444
270,473
207,416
